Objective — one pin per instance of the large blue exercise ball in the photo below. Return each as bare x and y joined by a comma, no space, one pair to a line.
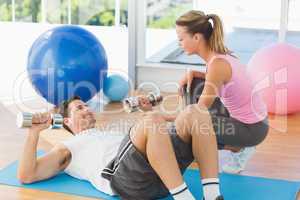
116,87
67,61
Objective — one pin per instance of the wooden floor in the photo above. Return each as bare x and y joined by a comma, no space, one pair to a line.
278,156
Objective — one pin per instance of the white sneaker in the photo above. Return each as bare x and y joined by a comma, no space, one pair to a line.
237,162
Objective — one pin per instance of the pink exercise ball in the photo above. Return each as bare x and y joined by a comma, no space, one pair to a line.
275,70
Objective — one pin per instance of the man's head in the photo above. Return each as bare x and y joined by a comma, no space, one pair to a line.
77,115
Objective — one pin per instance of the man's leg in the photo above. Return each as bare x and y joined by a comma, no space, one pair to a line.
152,139
194,125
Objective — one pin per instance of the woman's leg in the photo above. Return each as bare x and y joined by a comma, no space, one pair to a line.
236,135
232,135
240,139
216,109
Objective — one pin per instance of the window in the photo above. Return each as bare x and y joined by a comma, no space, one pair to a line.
77,12
99,12
162,14
161,17
293,34
28,10
5,10
248,27
91,11
57,11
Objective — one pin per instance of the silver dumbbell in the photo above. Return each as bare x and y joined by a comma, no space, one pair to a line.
132,104
24,120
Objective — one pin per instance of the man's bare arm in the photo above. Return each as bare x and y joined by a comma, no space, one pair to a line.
31,168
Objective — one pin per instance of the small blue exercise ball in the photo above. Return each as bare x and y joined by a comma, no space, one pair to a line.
67,61
115,87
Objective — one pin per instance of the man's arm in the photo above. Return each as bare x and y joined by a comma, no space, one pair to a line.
31,168
146,106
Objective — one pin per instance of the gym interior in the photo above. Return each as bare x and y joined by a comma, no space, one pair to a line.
130,59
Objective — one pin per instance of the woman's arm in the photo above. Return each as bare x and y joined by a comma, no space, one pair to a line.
198,74
219,72
187,80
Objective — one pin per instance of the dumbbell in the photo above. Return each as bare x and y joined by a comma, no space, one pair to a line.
132,104
24,120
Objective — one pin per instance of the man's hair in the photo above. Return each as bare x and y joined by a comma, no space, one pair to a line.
64,110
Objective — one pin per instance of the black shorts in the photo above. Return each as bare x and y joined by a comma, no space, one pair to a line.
229,131
132,177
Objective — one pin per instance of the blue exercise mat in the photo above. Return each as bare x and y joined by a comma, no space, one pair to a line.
234,187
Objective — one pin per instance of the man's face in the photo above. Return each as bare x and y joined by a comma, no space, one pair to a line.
80,117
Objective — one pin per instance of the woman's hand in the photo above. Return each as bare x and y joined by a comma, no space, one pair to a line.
186,80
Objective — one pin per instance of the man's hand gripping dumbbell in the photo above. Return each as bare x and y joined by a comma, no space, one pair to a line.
39,121
141,103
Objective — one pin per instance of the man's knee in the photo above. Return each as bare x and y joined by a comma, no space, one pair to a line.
147,127
191,117
153,122
154,117
194,112
138,137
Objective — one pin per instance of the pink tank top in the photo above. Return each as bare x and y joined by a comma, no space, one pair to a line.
239,96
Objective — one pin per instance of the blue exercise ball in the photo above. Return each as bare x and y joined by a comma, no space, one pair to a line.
67,61
115,87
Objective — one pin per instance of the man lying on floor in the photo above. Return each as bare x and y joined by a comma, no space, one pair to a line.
147,163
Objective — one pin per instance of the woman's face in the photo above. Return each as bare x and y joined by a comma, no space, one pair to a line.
188,42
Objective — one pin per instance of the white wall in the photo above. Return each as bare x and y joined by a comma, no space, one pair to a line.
16,40
164,79
163,76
